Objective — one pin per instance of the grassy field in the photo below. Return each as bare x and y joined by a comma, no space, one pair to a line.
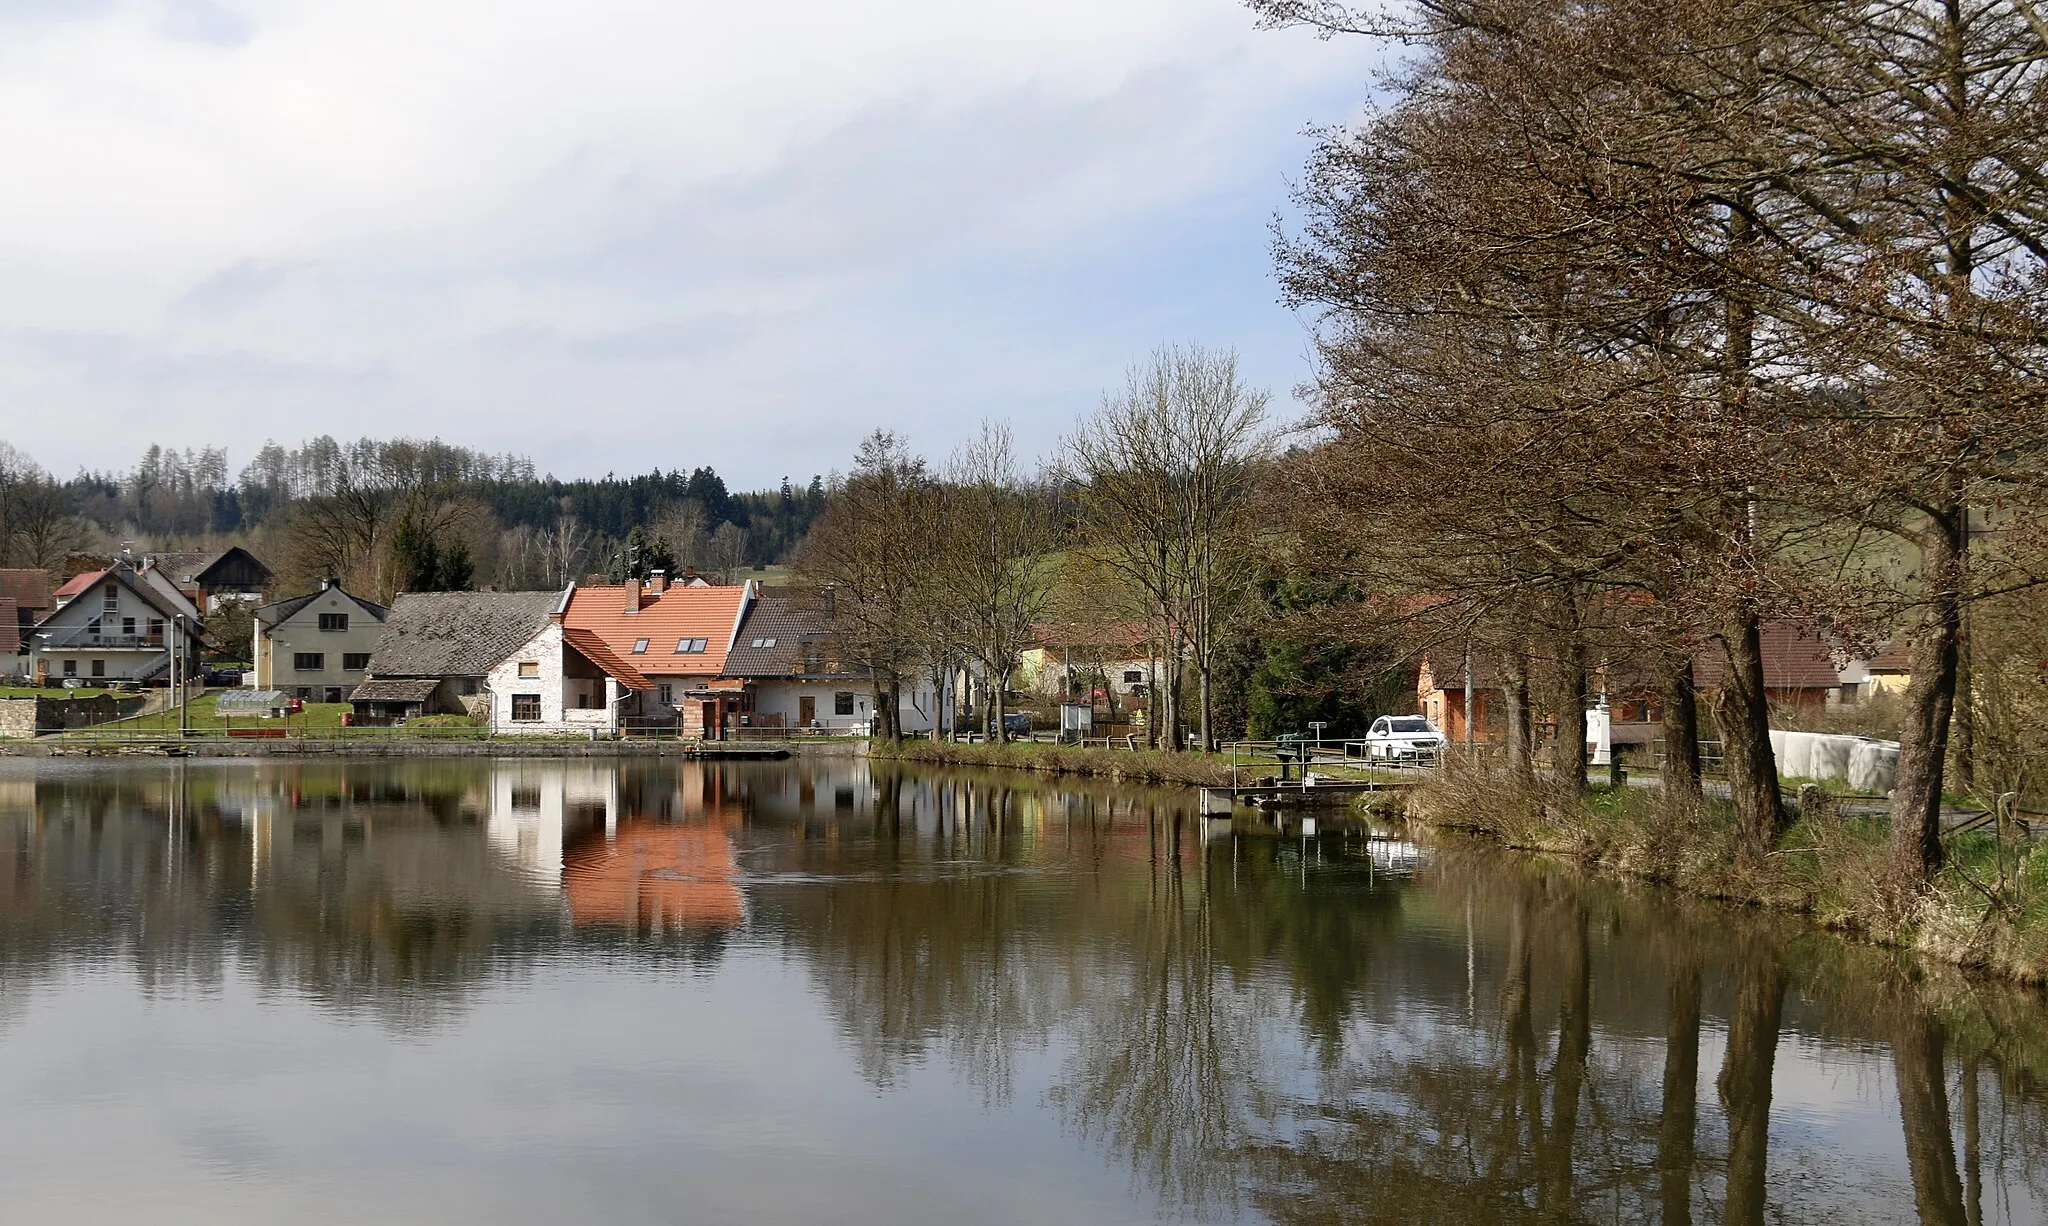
201,713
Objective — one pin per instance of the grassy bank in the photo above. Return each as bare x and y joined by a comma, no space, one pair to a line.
1141,766
1987,909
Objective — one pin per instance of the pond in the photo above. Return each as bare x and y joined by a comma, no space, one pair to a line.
824,990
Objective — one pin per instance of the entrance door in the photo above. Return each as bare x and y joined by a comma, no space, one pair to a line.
806,711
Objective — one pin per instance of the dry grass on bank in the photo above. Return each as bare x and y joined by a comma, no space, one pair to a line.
1987,909
1142,766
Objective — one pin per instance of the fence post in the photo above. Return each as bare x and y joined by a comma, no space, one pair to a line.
1812,802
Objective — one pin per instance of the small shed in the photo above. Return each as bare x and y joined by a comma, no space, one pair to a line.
254,704
387,701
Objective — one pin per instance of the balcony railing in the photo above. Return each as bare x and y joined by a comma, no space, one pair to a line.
102,640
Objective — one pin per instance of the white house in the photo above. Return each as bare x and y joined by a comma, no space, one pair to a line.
119,624
315,647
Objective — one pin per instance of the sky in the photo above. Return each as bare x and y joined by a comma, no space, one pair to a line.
617,235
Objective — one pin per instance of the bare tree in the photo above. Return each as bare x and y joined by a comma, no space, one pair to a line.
1162,474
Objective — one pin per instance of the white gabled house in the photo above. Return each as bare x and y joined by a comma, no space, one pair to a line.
120,624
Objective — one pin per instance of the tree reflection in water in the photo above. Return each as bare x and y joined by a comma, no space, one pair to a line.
1313,1031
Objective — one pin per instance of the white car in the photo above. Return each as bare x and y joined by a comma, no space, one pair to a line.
1403,738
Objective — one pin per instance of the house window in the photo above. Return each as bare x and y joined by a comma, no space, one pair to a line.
842,703
469,685
334,621
668,694
639,647
99,668
156,627
690,647
128,625
529,669
111,600
525,708
1132,676
355,661
93,627
309,661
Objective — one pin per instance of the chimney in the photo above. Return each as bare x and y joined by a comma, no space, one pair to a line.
658,580
632,594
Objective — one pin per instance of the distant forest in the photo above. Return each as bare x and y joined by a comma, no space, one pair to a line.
408,515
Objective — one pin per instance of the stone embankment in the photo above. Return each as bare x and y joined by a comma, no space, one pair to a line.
23,718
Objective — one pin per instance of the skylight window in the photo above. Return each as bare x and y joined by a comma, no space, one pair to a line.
639,647
764,642
691,647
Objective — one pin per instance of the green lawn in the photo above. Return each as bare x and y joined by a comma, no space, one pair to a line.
200,713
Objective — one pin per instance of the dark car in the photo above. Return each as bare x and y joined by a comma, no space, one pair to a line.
1016,723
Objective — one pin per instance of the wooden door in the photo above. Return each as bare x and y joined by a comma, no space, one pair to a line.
806,711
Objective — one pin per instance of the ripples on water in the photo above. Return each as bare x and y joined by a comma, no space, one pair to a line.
545,992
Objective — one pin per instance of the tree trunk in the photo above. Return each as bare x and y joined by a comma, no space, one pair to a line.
1677,1126
1568,753
1681,731
1208,733
1930,701
1745,1083
1514,690
1743,711
1923,1107
1574,1044
1965,734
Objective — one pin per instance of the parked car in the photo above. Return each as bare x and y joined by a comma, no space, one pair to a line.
1403,738
1016,723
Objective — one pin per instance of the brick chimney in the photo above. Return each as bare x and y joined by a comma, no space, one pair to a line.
658,580
632,594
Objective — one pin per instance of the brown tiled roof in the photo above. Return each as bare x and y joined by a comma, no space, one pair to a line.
679,613
595,651
781,625
1123,636
457,634
28,589
1894,658
1795,658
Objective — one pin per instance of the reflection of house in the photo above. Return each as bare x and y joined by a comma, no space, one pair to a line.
537,807
117,624
316,646
436,648
654,876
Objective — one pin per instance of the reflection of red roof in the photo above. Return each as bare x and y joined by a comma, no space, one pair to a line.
656,876
664,620
593,649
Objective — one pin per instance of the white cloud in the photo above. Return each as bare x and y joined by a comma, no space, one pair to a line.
537,225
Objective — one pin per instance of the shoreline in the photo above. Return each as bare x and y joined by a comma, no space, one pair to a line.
227,750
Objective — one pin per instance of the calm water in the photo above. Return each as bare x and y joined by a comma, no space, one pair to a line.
815,992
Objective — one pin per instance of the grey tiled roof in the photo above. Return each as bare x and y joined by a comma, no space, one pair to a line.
272,614
790,620
457,634
417,689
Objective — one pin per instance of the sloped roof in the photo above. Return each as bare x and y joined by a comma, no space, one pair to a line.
1795,658
595,651
1122,636
780,624
234,557
679,613
28,589
401,689
127,578
77,584
251,700
457,634
278,611
1894,658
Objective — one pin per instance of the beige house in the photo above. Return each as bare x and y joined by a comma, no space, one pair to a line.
315,647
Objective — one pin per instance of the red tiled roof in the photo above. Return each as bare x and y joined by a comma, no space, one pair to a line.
77,584
1131,635
707,613
28,589
597,653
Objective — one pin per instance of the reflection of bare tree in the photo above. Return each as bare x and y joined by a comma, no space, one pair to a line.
1163,1071
1917,1048
1678,1121
1745,1082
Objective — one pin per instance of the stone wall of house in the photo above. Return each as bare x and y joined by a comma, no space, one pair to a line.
25,717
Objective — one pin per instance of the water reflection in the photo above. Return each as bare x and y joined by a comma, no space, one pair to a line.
1337,1030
